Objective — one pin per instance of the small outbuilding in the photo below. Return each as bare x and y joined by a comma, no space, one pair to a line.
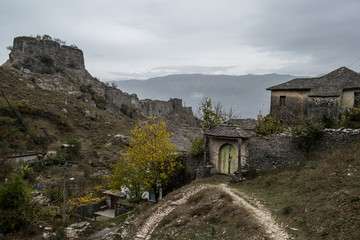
227,145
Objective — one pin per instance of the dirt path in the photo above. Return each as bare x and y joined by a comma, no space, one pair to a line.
165,207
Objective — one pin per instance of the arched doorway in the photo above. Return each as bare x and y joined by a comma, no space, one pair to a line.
228,160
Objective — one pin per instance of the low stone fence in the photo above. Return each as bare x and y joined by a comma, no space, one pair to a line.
273,152
333,138
280,150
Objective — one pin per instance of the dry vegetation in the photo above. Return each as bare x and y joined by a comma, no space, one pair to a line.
319,199
62,116
209,214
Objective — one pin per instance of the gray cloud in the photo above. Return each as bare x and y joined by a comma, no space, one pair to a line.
140,39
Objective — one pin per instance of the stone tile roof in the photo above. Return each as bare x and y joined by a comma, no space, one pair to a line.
248,124
331,84
181,138
228,131
116,193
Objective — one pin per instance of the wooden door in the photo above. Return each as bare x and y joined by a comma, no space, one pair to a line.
113,202
228,160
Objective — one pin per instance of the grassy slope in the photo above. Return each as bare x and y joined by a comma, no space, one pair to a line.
320,198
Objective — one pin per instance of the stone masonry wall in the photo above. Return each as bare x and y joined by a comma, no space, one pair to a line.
333,138
280,150
318,107
273,152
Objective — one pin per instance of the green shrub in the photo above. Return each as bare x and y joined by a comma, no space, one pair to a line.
73,80
129,111
267,125
87,171
351,119
99,100
86,88
17,204
46,60
74,150
307,133
4,147
329,122
197,147
47,70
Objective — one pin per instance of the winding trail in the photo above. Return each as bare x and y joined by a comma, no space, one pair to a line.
164,208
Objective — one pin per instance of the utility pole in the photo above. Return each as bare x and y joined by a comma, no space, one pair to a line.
64,200
65,146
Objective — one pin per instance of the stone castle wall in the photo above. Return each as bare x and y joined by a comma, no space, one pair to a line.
68,62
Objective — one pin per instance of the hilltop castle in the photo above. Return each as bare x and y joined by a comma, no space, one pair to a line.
46,56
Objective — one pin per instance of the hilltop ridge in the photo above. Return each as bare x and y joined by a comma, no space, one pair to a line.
46,56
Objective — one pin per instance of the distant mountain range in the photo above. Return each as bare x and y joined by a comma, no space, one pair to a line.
246,94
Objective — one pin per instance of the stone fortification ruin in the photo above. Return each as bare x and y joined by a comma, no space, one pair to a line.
53,61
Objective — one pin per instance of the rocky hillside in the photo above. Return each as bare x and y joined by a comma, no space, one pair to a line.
54,116
48,97
45,56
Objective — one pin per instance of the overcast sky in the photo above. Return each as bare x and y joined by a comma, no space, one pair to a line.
125,39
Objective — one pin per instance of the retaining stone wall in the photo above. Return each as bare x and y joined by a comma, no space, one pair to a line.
280,150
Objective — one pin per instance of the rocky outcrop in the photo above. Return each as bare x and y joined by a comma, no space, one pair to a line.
53,62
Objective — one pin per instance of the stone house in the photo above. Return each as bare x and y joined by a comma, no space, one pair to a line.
233,147
325,96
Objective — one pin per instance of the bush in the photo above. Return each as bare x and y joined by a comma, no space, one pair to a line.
73,151
99,100
17,204
46,60
197,147
128,111
307,133
4,147
268,125
329,122
351,118
73,80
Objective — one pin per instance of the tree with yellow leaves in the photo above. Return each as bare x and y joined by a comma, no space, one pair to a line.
147,162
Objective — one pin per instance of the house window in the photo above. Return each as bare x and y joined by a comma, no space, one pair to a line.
356,99
282,100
